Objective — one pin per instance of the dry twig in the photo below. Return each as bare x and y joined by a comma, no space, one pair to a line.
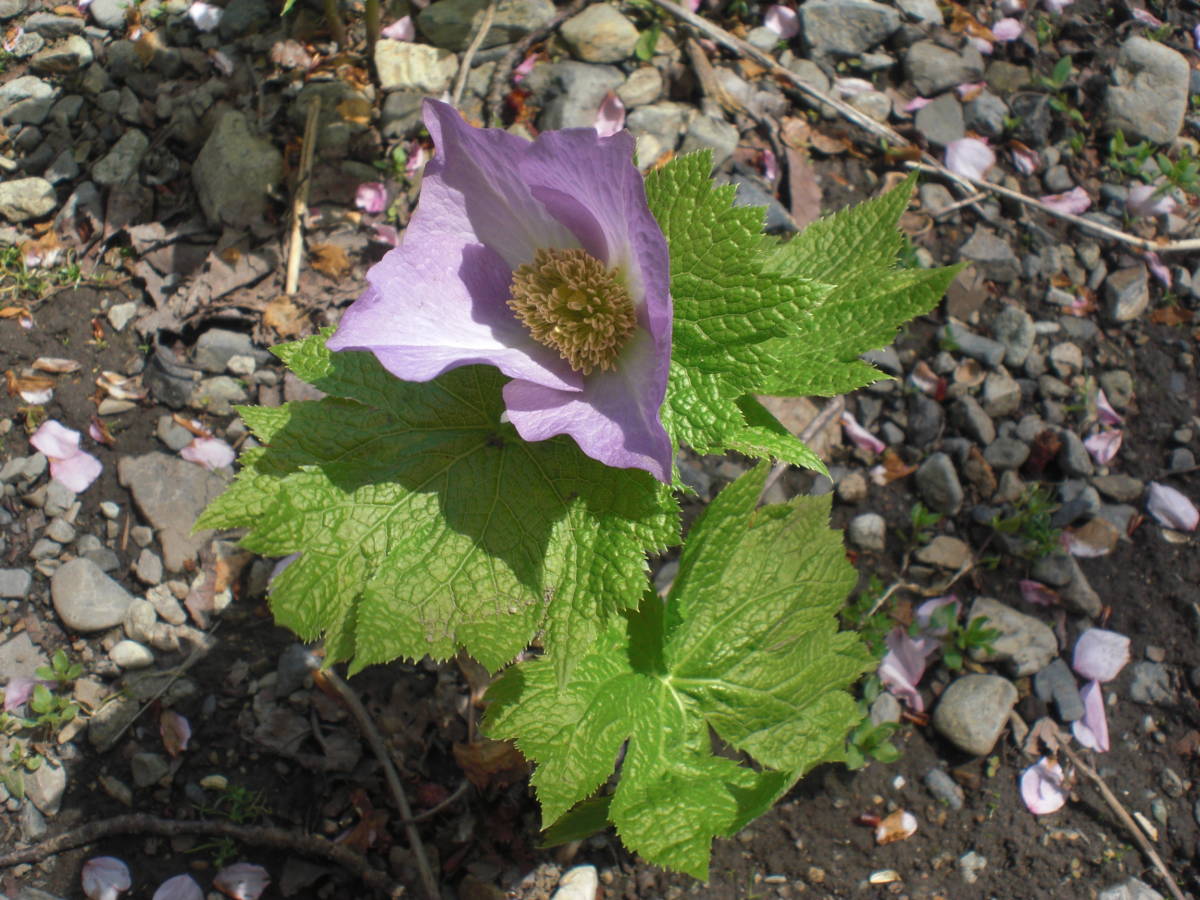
464,68
300,200
832,410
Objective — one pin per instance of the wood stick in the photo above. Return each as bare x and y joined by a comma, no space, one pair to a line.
300,198
464,68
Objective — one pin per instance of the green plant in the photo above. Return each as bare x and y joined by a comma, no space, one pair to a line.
239,805
19,763
1056,82
869,741
646,42
922,521
868,615
960,640
1031,522
61,670
1046,29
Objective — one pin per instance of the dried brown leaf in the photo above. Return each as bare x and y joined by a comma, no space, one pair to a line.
284,317
1171,315
489,762
329,259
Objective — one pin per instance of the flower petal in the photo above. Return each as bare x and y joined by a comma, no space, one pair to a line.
1100,654
782,20
1056,6
212,453
17,692
1105,411
1092,729
205,16
1155,264
851,87
1007,30
862,438
970,157
1025,159
923,615
1041,787
1103,445
1171,508
1074,201
55,440
181,887
371,197
916,103
1146,17
904,664
1146,200
104,877
610,117
400,30
242,881
76,471
1037,593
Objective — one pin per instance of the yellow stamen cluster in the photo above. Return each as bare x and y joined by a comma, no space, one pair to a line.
572,303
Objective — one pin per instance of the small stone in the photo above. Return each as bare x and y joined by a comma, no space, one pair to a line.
708,133
33,828
60,530
945,552
110,720
851,488
1127,294
938,484
120,314
1151,684
1129,889
235,171
218,395
933,68
1026,644
1066,359
408,66
1006,454
148,769
985,350
643,86
1122,488
986,114
63,58
868,531
1001,393
1056,683
1118,387
885,708
600,34
1149,95
217,346
140,620
15,583
944,788
970,417
131,655
45,787
973,711
970,864
576,90
122,162
991,255
941,121
148,568
22,199
20,657
27,99
452,23
86,599
1073,458
171,433
846,27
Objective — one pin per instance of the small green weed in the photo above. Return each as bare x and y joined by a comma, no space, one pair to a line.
868,741
240,806
1030,521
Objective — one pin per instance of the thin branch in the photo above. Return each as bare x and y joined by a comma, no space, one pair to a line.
254,835
380,749
832,410
886,133
300,199
464,68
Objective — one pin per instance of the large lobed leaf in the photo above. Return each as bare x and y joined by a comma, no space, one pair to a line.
746,644
423,524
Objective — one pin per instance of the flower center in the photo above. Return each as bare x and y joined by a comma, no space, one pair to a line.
572,303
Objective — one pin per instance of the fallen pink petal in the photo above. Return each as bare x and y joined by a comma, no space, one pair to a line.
1145,17
175,731
242,881
524,68
1007,29
1100,654
851,87
610,117
923,615
104,877
783,21
181,887
862,438
400,30
1105,411
371,197
387,234
1149,200
1196,37
1103,445
1074,201
212,453
903,665
205,16
1037,593
417,157
17,692
1171,507
916,103
969,89
770,165
1155,264
70,466
983,45
969,157
1092,730
1042,787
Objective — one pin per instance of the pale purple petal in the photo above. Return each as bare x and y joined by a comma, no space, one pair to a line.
1042,787
1146,200
524,68
371,197
1007,30
1105,411
55,440
205,16
923,614
212,453
104,877
610,117
175,731
1155,264
1103,445
903,665
1146,17
417,157
1074,201
242,881
400,30
387,234
983,45
1100,654
1171,508
17,692
1037,593
916,103
783,21
1025,160
76,471
1056,6
770,165
862,438
1092,729
181,887
970,157
969,88
851,87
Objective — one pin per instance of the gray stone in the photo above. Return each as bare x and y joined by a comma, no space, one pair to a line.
14,583
1066,359
109,14
969,416
131,655
86,599
218,394
938,484
171,492
148,769
23,199
234,172
60,530
944,788
451,23
1149,94
33,828
20,657
932,68
643,86
1013,328
110,720
575,92
1073,458
45,787
140,619
926,11
175,436
808,72
122,162
970,864
934,197
10,8
846,27
991,255
990,353
1130,889
63,58
44,548
945,552
926,418
407,66
1025,644
27,99
1080,503
600,34
1035,118
868,531
1006,454
1056,684
1078,596
1122,488
1126,293
973,711
215,347
148,568
1151,684
709,133
243,18
986,114
875,104
941,121
1118,387
1058,179
53,27
1001,394
885,708
401,113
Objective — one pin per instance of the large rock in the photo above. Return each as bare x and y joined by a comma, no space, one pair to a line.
973,710
933,68
171,492
451,23
574,92
27,99
846,27
234,172
64,57
405,66
1025,644
26,198
86,599
600,34
1149,95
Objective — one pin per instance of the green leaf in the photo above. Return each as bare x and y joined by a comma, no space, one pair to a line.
424,524
746,645
646,42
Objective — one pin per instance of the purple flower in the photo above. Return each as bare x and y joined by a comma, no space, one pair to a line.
542,259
